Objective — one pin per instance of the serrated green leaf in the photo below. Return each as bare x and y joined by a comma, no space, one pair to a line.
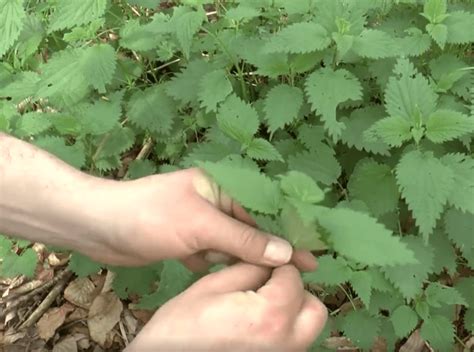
187,25
151,109
301,187
439,33
83,266
320,164
326,89
348,229
434,10
141,168
174,279
23,264
98,65
71,154
361,328
354,134
69,14
33,123
375,185
249,187
420,174
214,88
299,38
375,44
101,117
460,227
361,282
130,281
12,15
393,131
261,149
238,119
119,140
282,105
404,320
446,125
439,332
331,271
409,278
444,254
301,234
457,23
462,195
438,295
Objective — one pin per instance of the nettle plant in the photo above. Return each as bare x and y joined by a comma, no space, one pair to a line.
344,126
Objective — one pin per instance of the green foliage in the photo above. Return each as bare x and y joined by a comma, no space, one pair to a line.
344,126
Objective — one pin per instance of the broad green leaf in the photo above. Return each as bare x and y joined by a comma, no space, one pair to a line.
458,23
12,15
249,187
445,257
438,295
361,282
261,149
128,281
242,13
439,33
214,88
151,109
152,4
33,123
98,65
375,44
462,195
83,266
460,229
354,134
117,141
361,328
13,265
439,332
141,168
69,14
446,125
409,278
408,97
299,38
348,229
420,174
238,119
375,185
301,234
320,164
404,320
101,117
331,271
71,154
174,279
299,186
326,89
435,10
282,106
187,25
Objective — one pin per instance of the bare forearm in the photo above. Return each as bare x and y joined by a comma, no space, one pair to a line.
43,199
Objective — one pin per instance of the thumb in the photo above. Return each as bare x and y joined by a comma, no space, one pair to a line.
231,236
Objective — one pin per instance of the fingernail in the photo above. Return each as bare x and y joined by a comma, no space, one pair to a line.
277,252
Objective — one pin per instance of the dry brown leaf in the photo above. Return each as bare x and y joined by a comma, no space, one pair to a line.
52,320
415,343
143,316
104,314
66,345
58,259
130,322
80,292
79,314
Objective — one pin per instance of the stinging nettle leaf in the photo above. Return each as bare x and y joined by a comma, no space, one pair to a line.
214,88
425,183
446,125
250,188
301,187
12,15
404,320
282,105
299,38
69,14
326,89
359,237
261,149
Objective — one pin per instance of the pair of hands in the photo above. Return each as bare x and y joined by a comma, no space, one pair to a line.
245,307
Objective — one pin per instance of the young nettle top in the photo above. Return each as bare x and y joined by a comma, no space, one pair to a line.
343,125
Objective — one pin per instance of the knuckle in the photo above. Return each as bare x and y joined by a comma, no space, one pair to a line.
274,323
247,239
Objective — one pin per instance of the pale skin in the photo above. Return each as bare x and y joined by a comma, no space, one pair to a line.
257,304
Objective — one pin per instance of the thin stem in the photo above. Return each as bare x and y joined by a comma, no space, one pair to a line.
348,296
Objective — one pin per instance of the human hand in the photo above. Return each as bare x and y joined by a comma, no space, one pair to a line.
241,308
183,215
